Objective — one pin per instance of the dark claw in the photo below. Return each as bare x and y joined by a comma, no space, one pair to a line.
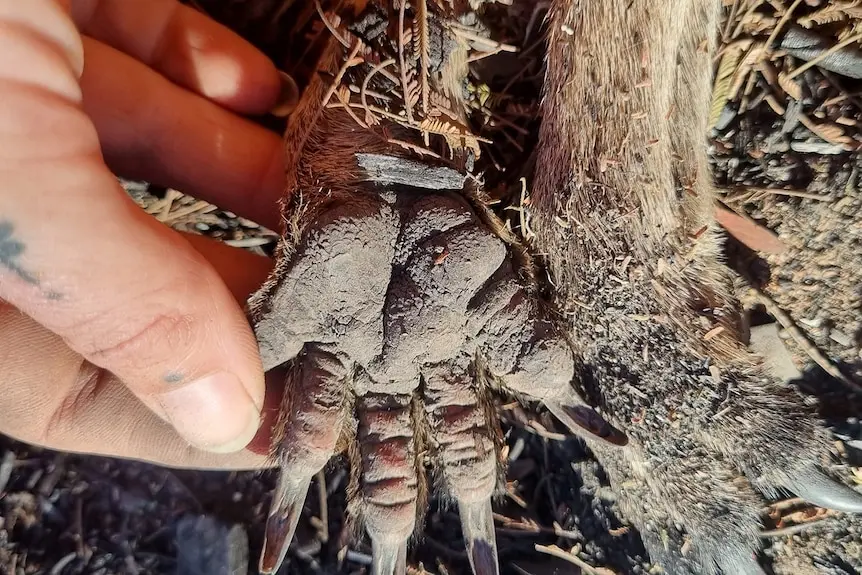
287,502
815,487
585,422
388,557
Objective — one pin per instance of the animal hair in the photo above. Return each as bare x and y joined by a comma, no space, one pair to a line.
622,176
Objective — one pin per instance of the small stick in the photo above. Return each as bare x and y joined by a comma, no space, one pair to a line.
778,28
329,25
341,72
413,147
471,35
403,68
6,467
166,205
78,535
504,121
482,55
784,504
349,110
373,93
792,529
555,551
515,526
776,191
730,20
835,84
199,206
363,91
812,350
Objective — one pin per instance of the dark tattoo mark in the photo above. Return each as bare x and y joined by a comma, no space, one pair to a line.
173,377
10,251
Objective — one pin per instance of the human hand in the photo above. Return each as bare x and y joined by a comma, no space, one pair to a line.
147,89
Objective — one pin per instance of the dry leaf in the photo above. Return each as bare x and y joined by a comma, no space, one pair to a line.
833,12
792,87
723,80
749,233
832,133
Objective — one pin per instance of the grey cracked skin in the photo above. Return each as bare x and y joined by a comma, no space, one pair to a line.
395,301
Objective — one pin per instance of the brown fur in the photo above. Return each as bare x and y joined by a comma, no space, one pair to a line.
622,173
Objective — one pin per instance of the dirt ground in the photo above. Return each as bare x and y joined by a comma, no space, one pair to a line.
783,146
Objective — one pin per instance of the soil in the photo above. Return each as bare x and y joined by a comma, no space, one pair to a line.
63,514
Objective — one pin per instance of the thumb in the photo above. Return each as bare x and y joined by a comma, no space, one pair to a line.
125,292
135,299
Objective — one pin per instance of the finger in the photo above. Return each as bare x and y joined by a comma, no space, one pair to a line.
460,429
52,397
51,21
186,47
150,129
390,485
125,292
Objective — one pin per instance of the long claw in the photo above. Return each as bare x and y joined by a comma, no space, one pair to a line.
313,400
584,422
477,523
817,488
389,557
738,561
287,502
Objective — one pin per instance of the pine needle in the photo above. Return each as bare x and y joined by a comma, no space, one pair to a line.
422,17
405,85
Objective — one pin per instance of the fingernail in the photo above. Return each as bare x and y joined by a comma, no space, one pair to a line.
288,98
214,413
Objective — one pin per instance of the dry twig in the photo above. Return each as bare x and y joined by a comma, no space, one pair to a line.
812,350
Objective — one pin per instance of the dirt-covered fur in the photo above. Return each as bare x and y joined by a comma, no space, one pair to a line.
622,210
396,304
623,207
